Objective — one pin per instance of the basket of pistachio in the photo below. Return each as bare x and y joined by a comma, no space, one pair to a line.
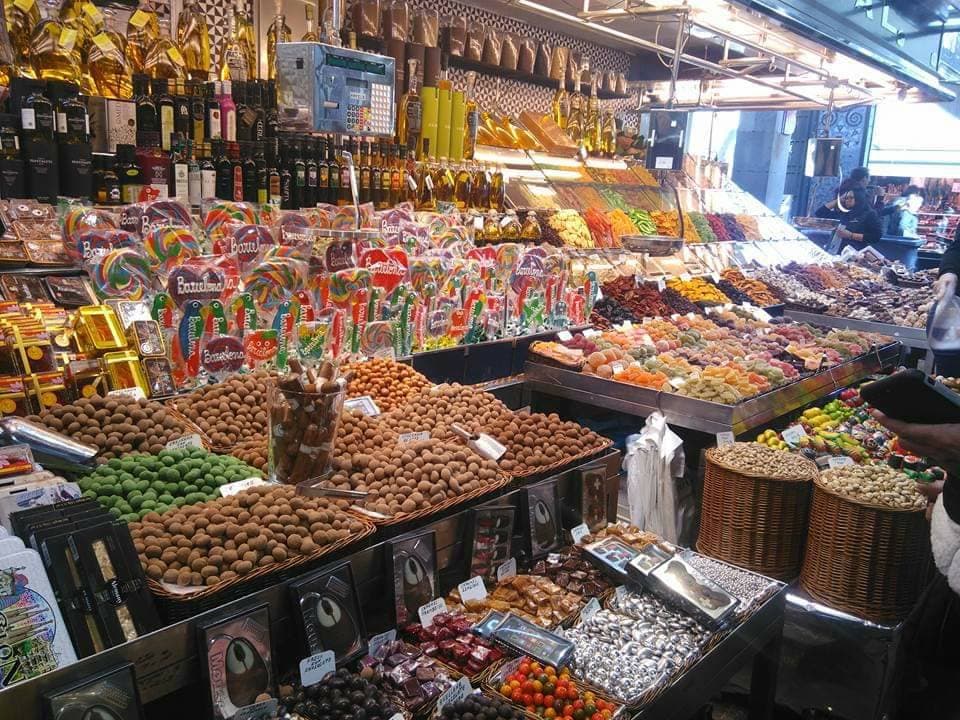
868,545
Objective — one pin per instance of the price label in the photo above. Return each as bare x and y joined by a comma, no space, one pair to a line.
68,38
455,693
724,438
793,434
239,486
93,12
413,437
24,5
104,42
579,533
187,441
472,590
134,392
175,56
839,462
315,668
675,316
690,316
620,593
364,404
564,336
507,569
258,711
139,19
591,333
677,382
617,368
627,325
661,284
715,277
589,610
429,611
377,642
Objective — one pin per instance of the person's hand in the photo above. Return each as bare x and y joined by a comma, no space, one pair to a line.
945,285
844,234
940,443
931,491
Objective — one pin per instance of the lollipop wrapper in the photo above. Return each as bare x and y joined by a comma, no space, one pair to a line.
89,245
219,213
260,348
388,267
221,355
312,340
195,283
123,273
77,220
168,246
246,242
376,339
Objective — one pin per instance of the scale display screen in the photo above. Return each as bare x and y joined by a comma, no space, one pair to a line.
348,63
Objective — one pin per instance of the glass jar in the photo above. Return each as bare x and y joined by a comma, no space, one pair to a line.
303,430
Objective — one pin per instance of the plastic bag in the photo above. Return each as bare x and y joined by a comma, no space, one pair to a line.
656,496
943,326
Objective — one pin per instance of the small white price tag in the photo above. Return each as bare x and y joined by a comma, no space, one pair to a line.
690,316
677,382
507,569
455,693
413,437
617,368
839,462
591,333
589,610
792,435
134,392
675,316
239,486
472,590
627,325
579,533
378,641
263,710
724,438
620,593
364,404
525,410
397,716
661,284
564,336
429,611
315,668
187,441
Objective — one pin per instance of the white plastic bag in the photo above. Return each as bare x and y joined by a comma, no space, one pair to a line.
654,463
943,329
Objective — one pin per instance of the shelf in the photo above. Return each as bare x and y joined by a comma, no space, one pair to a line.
910,337
708,417
541,80
41,270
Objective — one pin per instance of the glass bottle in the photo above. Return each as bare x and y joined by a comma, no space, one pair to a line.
245,32
273,172
52,47
311,34
111,182
194,177
193,37
236,171
255,103
510,226
198,113
463,187
180,173
531,231
208,175
164,59
498,190
249,172
224,171
410,110
333,161
87,20
234,61
278,32
21,19
212,127
143,29
365,173
480,192
376,172
107,63
560,107
398,153
72,120
312,172
386,180
472,116
576,120
181,109
323,171
271,121
444,182
426,195
263,174
346,188
609,134
491,228
165,111
154,163
298,168
129,173
146,109
228,113
593,132
286,178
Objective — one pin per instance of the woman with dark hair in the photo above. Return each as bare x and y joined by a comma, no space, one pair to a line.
859,223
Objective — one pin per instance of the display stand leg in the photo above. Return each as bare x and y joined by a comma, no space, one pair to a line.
763,683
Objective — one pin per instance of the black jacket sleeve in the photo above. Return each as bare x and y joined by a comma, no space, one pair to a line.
951,260
870,227
824,212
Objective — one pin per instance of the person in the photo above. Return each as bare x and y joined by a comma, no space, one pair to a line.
941,444
947,363
901,214
860,224
858,178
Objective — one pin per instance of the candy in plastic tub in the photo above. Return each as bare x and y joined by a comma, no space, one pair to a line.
168,246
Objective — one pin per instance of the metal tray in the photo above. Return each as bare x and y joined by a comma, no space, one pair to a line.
655,245
909,336
703,415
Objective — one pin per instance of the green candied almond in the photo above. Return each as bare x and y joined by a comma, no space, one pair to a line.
143,485
115,512
130,517
205,467
208,491
190,489
124,507
150,495
165,498
148,505
192,475
125,476
128,486
167,460
89,494
172,489
107,500
114,463
160,509
179,502
136,501
149,476
128,465
195,497
143,513
159,486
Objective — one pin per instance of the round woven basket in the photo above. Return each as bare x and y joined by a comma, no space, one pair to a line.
868,560
756,522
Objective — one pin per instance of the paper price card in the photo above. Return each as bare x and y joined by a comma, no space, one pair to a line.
578,533
429,611
472,590
378,641
507,569
455,693
315,668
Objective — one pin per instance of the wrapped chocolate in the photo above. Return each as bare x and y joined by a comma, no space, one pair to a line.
454,34
412,675
426,28
450,641
510,51
526,55
476,37
366,18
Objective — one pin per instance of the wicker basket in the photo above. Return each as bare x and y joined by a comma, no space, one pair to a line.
753,521
868,560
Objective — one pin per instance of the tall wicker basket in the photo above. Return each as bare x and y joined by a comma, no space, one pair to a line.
869,560
757,522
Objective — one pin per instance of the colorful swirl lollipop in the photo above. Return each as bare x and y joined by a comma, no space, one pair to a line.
346,218
376,337
272,281
123,273
166,212
507,256
82,219
224,212
344,283
168,246
422,272
268,214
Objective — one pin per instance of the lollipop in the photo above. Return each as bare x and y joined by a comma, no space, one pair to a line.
422,272
248,240
168,246
268,214
166,212
345,283
224,212
90,244
272,281
81,219
376,337
345,218
507,256
122,273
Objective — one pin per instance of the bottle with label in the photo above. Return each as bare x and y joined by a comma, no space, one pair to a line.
560,106
426,191
376,172
510,226
164,59
228,113
181,109
12,178
278,32
72,120
213,127
472,117
194,177
180,175
106,184
498,190
107,65
273,172
249,172
236,168
129,173
193,37
255,103
576,120
21,19
386,166
165,110
246,115
247,36
480,193
444,182
52,47
410,110
154,163
491,228
609,134
365,172
310,34
346,186
333,162
396,174
310,190
531,231
593,132
323,169
271,119
224,171
147,116
198,112
36,114
263,174
463,187
208,175
299,170
143,29
234,60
